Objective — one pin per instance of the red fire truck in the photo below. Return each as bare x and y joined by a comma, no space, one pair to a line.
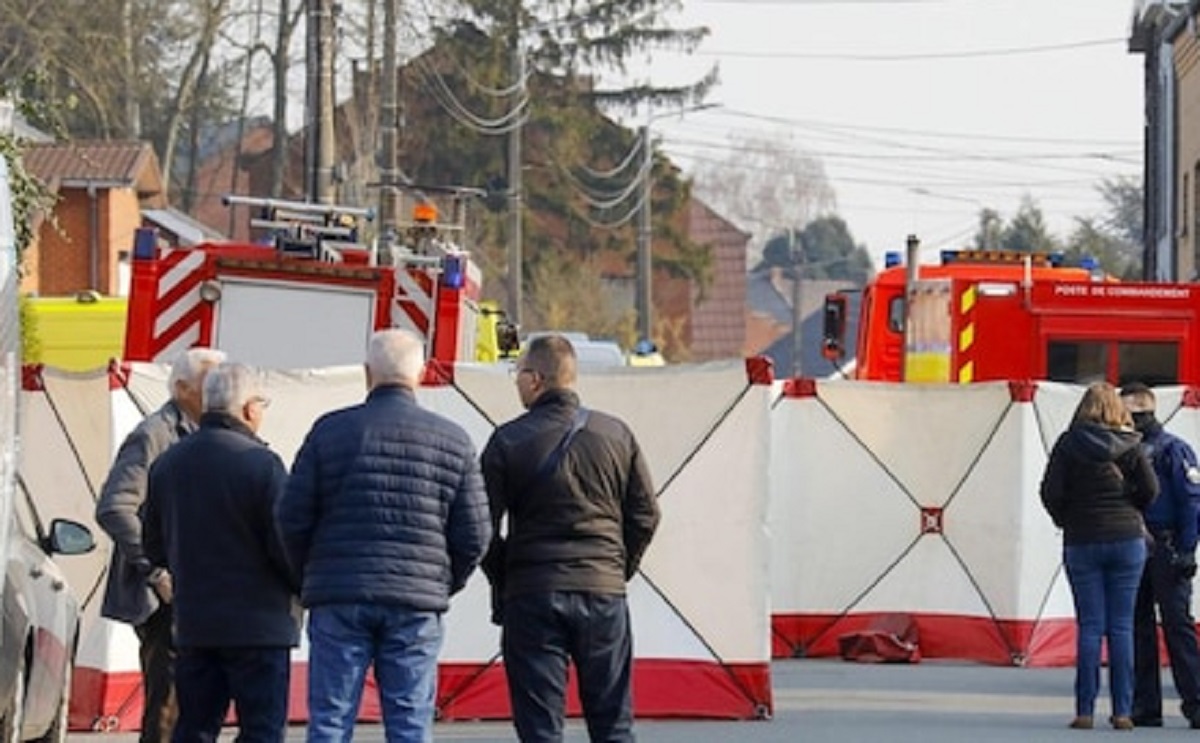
309,294
994,315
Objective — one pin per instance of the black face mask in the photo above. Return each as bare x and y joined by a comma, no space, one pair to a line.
1144,421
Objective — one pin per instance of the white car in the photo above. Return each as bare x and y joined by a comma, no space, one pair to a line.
590,353
39,627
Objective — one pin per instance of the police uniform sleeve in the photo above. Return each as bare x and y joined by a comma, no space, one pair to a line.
1184,482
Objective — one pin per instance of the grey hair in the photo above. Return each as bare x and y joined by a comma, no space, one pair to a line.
396,356
230,386
190,365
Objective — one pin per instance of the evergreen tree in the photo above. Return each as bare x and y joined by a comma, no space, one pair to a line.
825,250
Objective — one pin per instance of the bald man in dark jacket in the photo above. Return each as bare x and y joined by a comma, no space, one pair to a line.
581,512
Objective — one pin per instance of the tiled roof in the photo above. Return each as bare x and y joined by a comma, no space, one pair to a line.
132,164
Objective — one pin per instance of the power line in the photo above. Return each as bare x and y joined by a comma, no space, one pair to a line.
915,56
820,2
836,126
1131,157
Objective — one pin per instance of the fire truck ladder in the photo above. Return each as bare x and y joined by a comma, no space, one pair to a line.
319,231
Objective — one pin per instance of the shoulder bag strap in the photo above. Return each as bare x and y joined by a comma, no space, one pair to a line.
552,460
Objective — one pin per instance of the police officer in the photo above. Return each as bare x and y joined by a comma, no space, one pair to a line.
1167,581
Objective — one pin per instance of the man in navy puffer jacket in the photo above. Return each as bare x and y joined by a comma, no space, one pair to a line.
384,518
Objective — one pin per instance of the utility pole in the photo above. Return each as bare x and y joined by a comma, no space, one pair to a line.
912,272
515,257
326,150
388,129
133,113
312,98
644,243
796,253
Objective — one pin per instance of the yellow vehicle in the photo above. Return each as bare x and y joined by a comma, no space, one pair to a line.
78,333
495,336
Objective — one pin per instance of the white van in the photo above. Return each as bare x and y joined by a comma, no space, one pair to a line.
591,353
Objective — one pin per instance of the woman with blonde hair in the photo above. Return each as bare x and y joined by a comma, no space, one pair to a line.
1096,485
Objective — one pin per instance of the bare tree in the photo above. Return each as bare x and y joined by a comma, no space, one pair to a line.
764,184
211,14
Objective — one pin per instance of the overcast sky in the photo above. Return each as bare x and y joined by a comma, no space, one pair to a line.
924,111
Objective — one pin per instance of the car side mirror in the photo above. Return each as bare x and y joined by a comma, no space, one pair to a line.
68,537
833,334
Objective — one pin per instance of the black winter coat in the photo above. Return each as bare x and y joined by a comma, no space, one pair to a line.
209,519
1097,484
583,527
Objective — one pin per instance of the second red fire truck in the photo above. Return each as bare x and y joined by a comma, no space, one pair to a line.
979,316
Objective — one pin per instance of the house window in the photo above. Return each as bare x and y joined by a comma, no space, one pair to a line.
1195,208
1187,206
124,273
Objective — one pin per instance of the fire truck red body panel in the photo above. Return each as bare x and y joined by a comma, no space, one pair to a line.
177,297
978,321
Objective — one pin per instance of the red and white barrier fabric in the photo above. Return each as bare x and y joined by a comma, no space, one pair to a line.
922,500
700,606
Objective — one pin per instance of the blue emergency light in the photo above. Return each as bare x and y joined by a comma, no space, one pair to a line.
145,243
453,271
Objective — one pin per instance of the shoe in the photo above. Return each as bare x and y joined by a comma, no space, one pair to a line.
1082,722
1121,723
1149,722
1193,723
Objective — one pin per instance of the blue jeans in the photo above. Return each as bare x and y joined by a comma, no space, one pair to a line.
1104,579
542,631
254,679
402,644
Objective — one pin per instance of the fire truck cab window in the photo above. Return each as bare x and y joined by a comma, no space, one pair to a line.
896,315
1080,362
1152,363
1084,362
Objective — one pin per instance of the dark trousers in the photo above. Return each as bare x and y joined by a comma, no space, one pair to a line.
254,679
1165,588
157,656
542,632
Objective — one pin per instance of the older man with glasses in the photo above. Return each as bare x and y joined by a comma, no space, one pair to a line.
210,520
581,512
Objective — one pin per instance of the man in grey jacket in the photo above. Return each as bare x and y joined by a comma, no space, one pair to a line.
136,593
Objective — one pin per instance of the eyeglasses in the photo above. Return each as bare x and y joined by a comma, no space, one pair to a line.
516,371
261,400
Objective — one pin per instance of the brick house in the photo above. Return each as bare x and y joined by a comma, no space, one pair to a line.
101,189
717,319
1165,33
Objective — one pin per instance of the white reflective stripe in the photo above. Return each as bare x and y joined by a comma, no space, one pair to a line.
171,315
400,319
166,317
410,289
186,340
180,271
